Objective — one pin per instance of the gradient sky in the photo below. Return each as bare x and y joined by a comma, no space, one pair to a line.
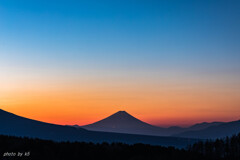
169,62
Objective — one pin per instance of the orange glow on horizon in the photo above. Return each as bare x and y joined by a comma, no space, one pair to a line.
81,102
162,109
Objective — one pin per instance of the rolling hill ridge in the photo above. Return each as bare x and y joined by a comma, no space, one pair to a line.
14,125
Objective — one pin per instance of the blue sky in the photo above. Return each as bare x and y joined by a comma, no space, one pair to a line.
152,34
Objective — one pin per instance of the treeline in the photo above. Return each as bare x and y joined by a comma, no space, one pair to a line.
36,149
44,150
227,148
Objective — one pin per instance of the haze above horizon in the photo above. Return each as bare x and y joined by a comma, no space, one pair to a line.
75,62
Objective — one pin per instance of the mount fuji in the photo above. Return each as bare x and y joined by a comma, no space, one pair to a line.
123,122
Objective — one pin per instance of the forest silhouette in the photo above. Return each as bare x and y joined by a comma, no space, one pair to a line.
220,149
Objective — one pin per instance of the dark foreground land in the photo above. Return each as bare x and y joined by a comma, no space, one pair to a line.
36,149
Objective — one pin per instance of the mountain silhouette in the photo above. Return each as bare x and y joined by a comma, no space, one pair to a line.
119,121
13,125
123,122
219,130
204,125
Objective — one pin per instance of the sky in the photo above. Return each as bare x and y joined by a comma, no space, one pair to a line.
166,62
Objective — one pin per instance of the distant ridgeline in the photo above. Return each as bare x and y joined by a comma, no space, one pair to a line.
15,147
123,122
127,129
14,125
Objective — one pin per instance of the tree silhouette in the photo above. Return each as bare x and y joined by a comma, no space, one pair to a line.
220,149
